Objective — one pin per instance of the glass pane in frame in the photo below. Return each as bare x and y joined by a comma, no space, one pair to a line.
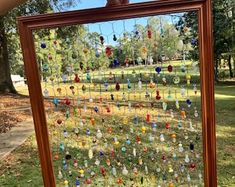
123,102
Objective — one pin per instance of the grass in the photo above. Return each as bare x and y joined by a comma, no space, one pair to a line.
22,167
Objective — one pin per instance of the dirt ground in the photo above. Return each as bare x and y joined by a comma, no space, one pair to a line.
13,109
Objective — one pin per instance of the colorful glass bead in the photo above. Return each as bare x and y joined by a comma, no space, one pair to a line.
177,105
176,80
154,126
173,136
106,86
102,40
139,60
96,109
55,102
189,102
167,125
43,45
170,68
140,84
114,171
76,79
138,139
67,101
149,34
108,51
158,70
162,138
46,93
114,38
143,129
116,62
66,183
97,53
56,156
61,146
182,68
148,118
125,120
144,52
188,78
99,134
77,183
191,146
164,105
68,156
183,114
60,175
181,149
136,120
117,86
126,61
92,121
83,88
128,84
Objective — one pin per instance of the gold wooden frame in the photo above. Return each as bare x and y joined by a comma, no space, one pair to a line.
29,23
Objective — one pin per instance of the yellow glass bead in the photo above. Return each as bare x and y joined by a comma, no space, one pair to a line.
66,182
125,120
143,130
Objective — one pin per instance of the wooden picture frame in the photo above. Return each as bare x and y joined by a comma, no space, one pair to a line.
30,23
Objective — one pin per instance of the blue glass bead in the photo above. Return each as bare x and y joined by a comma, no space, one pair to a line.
128,142
43,45
116,62
55,102
77,182
154,125
194,42
101,153
188,101
136,120
96,109
158,69
88,132
106,84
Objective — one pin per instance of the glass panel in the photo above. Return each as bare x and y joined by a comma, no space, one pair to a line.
123,102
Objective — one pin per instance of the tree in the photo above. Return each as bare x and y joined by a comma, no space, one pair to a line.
9,41
222,30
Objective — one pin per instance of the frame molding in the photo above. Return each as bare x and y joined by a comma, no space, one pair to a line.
26,25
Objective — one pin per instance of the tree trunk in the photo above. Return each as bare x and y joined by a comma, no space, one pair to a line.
6,85
230,66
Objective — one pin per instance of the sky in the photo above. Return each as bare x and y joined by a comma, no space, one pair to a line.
108,29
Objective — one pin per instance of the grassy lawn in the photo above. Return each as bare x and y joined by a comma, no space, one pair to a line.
22,168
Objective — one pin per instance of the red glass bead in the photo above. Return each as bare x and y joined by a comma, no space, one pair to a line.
108,51
149,34
158,97
170,68
168,125
76,79
117,86
148,118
